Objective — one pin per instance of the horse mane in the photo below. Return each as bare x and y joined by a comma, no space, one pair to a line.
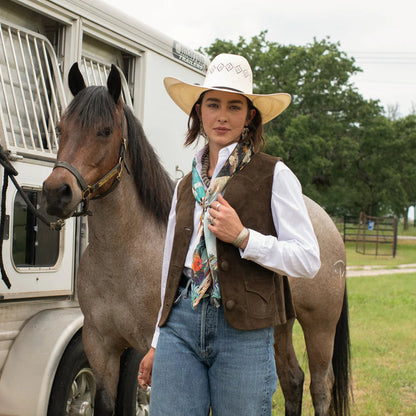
154,185
94,104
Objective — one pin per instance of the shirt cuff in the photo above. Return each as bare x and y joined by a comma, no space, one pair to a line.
155,337
255,248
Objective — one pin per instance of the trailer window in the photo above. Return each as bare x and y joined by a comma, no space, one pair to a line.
33,243
96,60
96,73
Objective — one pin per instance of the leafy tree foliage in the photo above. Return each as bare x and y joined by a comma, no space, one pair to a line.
404,155
346,153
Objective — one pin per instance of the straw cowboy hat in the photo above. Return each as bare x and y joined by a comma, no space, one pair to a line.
231,73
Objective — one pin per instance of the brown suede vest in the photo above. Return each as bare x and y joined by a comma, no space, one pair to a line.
253,297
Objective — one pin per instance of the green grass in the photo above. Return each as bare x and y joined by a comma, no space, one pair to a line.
405,254
383,339
411,231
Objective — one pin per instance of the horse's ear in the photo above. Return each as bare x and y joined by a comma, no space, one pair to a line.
75,79
114,83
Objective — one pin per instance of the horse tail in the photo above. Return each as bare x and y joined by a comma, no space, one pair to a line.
341,364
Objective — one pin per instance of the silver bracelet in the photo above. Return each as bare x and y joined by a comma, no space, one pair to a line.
240,238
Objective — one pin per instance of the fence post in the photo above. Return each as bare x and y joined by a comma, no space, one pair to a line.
395,237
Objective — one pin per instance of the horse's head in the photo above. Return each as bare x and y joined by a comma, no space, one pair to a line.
91,145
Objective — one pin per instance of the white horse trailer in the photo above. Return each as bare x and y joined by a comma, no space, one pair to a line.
42,364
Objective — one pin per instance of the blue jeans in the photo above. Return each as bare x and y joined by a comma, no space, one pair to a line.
202,363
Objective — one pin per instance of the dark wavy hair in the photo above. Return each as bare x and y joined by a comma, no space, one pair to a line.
254,135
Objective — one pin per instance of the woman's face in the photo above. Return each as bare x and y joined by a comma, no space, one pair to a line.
224,115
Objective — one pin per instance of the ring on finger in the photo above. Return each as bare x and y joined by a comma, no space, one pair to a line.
218,206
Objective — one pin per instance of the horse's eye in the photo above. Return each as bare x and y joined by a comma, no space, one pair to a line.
58,131
106,132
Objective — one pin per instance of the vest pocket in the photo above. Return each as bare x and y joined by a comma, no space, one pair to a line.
260,297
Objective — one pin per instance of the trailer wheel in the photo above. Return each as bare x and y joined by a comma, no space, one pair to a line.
131,398
73,389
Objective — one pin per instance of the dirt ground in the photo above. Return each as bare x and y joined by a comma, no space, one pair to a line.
378,270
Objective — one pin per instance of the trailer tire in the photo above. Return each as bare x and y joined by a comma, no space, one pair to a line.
73,388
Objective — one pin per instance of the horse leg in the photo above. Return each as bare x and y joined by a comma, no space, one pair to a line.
319,345
105,363
291,376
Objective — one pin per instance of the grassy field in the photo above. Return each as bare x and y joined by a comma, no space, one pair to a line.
383,339
411,230
406,254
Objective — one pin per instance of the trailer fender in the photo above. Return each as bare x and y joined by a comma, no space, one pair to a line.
29,371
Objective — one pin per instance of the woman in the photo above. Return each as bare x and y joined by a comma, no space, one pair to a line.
238,225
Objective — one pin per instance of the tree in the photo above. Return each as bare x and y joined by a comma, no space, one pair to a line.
370,173
393,111
404,157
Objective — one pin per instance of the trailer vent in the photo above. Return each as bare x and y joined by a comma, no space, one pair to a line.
31,92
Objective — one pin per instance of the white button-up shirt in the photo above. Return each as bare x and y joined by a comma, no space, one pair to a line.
295,252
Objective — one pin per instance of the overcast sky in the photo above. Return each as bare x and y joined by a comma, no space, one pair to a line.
381,34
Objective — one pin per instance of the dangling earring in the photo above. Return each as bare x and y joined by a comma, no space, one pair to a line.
202,131
244,133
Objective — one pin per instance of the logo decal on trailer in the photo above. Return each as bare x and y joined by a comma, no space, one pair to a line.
189,56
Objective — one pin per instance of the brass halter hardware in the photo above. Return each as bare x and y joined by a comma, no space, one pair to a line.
88,190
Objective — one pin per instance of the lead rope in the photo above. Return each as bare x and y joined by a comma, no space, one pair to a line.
11,172
4,276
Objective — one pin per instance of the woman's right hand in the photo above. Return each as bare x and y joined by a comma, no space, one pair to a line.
145,369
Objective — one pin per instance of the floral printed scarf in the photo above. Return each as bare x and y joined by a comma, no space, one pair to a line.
204,264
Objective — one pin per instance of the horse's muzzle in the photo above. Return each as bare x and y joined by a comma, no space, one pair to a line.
58,200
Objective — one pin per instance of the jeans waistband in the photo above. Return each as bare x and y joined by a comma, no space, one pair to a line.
185,286
183,289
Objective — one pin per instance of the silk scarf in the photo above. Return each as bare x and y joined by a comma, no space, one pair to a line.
204,264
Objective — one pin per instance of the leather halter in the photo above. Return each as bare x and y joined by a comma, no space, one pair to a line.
88,190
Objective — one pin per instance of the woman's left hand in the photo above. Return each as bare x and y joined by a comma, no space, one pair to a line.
226,224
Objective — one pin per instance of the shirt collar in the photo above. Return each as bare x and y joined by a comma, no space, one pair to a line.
223,156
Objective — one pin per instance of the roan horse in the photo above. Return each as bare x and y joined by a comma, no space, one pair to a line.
119,274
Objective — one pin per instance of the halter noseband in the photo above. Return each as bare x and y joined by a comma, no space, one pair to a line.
88,190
